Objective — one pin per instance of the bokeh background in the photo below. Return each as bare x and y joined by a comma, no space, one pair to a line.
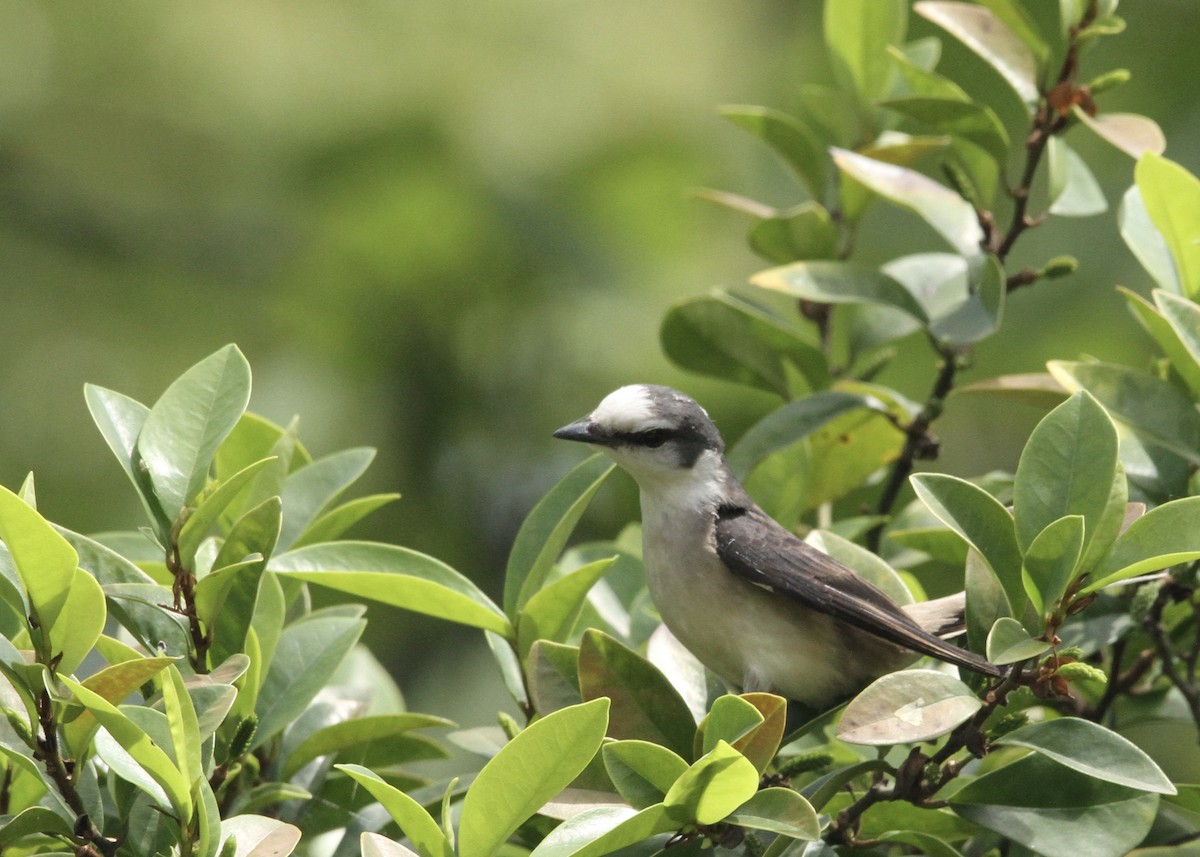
443,229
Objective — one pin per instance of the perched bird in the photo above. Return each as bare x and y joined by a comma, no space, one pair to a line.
754,603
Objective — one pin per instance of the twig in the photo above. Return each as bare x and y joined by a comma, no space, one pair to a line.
184,591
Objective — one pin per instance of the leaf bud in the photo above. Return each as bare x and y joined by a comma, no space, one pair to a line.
1109,80
1059,266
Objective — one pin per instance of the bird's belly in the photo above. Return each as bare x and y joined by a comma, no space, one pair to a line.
756,639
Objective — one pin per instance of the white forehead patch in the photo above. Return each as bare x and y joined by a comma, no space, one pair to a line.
628,409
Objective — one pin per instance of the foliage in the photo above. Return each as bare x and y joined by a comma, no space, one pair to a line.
178,690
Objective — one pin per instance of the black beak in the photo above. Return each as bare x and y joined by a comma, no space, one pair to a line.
584,431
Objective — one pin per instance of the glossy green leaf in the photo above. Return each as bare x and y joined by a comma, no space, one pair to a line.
145,754
839,282
973,122
1155,409
44,560
188,422
308,653
1183,317
725,335
240,561
793,422
1066,468
553,675
779,810
848,450
77,627
979,313
120,420
113,684
1074,191
1016,16
790,138
1164,536
643,772
729,719
545,531
718,783
1171,196
553,609
1056,811
1092,749
858,33
907,706
412,818
185,730
201,521
308,490
981,521
334,523
803,232
1133,134
258,836
644,704
1146,242
605,829
532,768
868,565
343,735
1009,642
983,32
1052,561
511,671
892,147
949,214
27,781
394,575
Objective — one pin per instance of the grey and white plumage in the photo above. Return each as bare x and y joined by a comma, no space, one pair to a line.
757,605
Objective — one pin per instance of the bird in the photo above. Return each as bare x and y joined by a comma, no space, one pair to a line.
754,603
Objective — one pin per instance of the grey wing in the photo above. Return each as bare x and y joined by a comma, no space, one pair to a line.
756,548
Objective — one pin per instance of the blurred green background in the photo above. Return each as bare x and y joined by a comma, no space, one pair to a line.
443,229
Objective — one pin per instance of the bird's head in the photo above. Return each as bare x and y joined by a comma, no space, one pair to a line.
653,432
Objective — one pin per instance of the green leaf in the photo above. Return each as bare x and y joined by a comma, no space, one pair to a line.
308,490
553,675
791,423
44,560
1056,811
779,810
1052,561
334,523
257,836
1066,468
240,561
727,336
120,420
188,422
791,139
185,730
803,232
983,32
1133,134
1153,408
77,628
1074,191
981,521
901,150
979,314
858,33
545,531
337,737
113,684
644,704
949,214
1091,749
201,521
308,653
532,768
552,610
414,821
1009,642
643,772
1164,536
868,565
1174,322
839,282
907,706
374,845
1146,242
761,743
718,783
147,756
1171,196
605,829
394,575
968,120
729,719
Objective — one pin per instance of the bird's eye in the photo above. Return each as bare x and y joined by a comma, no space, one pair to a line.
654,438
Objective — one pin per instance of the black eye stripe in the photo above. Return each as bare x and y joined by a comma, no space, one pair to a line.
650,438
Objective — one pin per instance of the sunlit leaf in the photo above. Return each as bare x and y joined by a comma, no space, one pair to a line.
718,783
1133,134
343,735
1074,191
258,836
1052,560
412,818
803,232
201,521
839,282
790,138
779,810
1164,536
308,490
551,612
1146,242
604,830
44,560
907,706
858,33
1009,642
642,771
973,122
983,32
1171,196
78,626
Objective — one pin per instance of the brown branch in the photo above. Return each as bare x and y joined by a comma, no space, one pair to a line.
184,591
1171,592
